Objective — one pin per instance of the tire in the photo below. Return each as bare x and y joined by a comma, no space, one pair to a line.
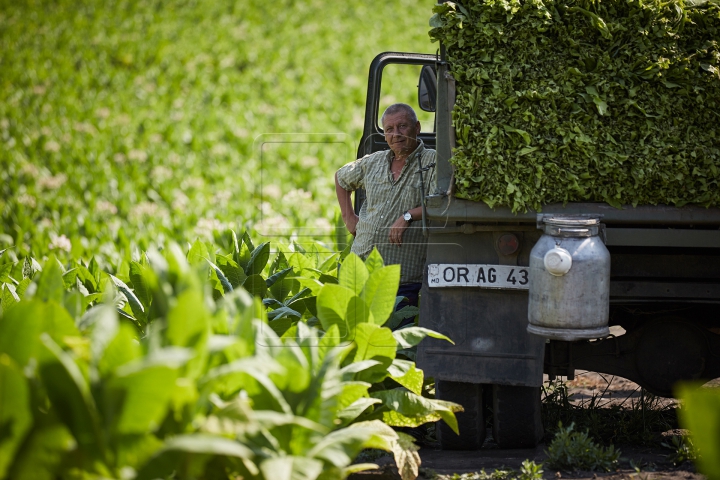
517,416
471,422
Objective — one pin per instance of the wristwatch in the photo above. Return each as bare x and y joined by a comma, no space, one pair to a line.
407,217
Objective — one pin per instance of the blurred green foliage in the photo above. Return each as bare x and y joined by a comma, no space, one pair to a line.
124,123
700,413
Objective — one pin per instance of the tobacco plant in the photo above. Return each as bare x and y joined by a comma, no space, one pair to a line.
164,368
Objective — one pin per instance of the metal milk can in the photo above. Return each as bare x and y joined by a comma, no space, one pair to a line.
569,279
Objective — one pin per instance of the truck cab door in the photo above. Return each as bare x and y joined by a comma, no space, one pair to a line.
397,77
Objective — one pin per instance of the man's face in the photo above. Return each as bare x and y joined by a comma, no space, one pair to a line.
400,133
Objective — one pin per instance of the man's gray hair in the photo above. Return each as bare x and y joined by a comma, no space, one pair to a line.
399,107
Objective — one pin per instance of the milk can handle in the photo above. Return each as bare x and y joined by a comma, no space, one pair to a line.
572,230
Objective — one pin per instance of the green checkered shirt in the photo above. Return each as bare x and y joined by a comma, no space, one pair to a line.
386,200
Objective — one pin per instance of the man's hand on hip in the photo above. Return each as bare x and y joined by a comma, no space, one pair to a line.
351,222
397,229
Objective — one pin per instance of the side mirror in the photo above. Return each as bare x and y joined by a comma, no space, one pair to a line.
427,88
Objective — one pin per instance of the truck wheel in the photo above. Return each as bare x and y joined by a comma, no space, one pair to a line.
517,420
471,422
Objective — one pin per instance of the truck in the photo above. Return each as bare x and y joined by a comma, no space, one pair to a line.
664,299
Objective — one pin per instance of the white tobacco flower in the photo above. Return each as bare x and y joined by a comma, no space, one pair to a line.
271,192
193,183
309,162
174,159
322,223
27,200
222,197
103,206
298,197
30,170
206,226
52,183
137,155
219,149
51,146
145,209
161,174
270,223
60,243
180,200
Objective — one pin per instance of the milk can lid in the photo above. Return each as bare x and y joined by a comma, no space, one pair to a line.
572,220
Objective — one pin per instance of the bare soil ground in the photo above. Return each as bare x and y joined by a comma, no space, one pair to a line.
651,463
637,462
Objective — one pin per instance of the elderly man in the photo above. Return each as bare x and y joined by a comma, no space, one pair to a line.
393,198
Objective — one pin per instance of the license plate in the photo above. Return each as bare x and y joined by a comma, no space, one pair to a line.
474,275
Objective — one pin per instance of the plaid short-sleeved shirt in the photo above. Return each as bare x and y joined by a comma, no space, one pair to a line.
386,200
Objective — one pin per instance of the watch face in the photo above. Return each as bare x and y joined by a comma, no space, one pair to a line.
407,216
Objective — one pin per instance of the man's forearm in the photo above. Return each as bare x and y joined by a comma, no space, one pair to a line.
344,199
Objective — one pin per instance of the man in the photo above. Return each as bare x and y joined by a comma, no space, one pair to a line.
389,218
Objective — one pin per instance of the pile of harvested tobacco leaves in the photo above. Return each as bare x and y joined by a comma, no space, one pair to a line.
613,101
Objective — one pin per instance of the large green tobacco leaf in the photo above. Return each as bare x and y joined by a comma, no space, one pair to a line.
340,447
374,261
353,274
15,415
9,296
352,392
380,292
411,336
5,270
187,321
232,271
626,116
256,285
380,436
21,327
70,396
48,443
198,253
258,259
250,375
357,408
135,304
122,349
291,468
141,289
332,305
406,409
135,384
104,325
374,343
406,374
51,285
188,454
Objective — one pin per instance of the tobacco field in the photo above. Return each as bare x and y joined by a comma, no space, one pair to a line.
125,123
